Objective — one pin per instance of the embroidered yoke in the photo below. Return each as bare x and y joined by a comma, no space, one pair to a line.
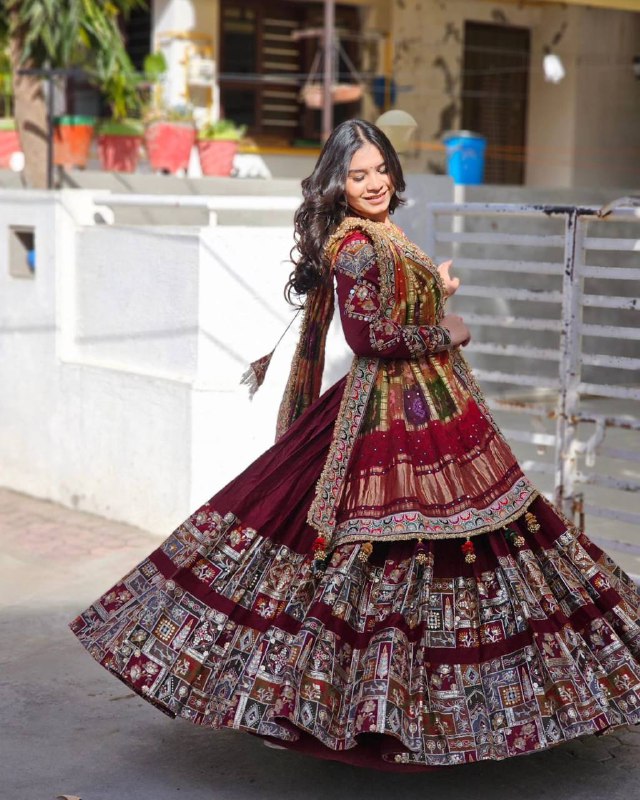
415,451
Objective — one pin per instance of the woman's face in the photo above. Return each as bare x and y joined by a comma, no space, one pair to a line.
369,189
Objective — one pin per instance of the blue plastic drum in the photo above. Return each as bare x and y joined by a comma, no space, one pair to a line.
465,156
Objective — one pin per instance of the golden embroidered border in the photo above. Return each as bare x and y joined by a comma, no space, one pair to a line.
421,258
321,514
344,537
384,256
385,239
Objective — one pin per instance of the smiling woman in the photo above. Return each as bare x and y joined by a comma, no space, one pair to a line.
384,586
369,188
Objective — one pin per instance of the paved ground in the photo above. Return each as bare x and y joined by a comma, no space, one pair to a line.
68,727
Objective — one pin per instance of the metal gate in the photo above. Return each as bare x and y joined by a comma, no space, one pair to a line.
552,294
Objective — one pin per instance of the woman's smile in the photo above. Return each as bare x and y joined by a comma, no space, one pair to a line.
377,198
368,188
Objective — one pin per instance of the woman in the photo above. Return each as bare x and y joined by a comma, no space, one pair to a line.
384,586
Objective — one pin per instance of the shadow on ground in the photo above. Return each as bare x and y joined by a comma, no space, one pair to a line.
69,727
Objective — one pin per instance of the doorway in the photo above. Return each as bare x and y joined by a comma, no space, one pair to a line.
495,93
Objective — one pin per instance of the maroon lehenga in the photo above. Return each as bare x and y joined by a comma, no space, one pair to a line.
384,586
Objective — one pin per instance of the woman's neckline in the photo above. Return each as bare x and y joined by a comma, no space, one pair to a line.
388,223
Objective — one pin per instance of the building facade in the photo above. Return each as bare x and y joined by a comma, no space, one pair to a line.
453,64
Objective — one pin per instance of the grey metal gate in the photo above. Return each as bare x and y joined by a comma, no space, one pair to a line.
552,293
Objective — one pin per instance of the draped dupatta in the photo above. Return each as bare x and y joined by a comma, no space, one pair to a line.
305,377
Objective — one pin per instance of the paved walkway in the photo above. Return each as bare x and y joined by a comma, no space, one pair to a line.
68,727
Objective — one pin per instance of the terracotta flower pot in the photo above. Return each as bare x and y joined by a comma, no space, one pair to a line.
312,94
9,142
119,146
169,145
72,140
216,156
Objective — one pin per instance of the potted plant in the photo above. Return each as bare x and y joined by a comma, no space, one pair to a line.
121,136
119,143
169,138
169,131
218,145
44,34
72,135
9,141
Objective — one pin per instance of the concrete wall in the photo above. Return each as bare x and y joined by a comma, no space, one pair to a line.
551,120
174,21
607,141
429,40
120,360
582,131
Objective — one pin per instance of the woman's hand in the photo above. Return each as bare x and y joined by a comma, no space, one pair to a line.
460,334
450,284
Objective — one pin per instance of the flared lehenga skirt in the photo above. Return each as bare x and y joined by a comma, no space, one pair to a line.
389,663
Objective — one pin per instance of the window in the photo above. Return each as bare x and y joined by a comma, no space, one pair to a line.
495,95
262,66
22,251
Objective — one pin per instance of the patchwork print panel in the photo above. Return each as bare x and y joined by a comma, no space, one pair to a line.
525,648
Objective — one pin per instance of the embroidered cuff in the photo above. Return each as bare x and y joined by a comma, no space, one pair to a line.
435,338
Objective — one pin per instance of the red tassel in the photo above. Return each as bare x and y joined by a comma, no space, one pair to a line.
319,544
319,550
421,553
469,551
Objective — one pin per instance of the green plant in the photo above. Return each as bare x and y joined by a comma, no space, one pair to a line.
154,66
121,127
6,83
122,91
83,34
222,130
158,113
179,114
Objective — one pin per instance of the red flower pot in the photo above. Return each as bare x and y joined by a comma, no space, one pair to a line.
169,145
9,142
119,145
72,140
119,153
216,156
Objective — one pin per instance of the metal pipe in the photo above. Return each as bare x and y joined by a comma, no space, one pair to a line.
328,47
50,79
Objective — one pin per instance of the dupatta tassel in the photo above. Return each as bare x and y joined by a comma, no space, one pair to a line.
516,539
254,375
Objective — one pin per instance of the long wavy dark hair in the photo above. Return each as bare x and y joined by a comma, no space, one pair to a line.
324,204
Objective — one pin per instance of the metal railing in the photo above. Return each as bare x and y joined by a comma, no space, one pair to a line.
570,317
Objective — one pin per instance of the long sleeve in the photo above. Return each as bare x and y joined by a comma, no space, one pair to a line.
366,328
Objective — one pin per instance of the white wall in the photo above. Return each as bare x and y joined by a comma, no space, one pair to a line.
120,361
180,27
